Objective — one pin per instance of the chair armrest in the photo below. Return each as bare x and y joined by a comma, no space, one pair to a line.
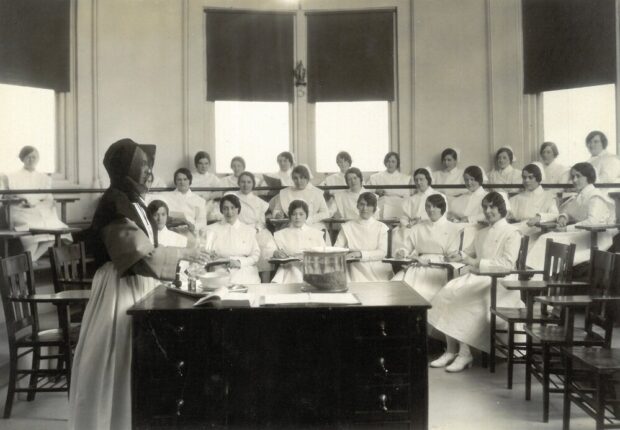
552,284
597,228
526,272
606,298
567,301
492,273
83,282
524,285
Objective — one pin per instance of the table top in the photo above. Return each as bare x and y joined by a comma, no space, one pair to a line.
370,294
499,273
68,199
11,234
69,296
598,228
63,230
523,285
11,200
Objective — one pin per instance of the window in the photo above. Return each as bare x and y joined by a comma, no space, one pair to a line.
27,117
360,128
569,115
258,131
345,98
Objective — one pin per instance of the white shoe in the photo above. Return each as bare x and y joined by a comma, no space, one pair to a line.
460,363
445,359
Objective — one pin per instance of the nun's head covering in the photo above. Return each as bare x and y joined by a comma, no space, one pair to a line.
123,161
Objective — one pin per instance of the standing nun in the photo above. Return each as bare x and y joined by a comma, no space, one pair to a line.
123,241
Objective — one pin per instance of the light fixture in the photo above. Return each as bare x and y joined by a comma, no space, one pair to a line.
299,73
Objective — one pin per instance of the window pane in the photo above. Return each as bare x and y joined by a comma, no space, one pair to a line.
27,117
257,131
569,115
360,128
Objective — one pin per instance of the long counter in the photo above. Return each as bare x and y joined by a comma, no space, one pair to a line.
296,366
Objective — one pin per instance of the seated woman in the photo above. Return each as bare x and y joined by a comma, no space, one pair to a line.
302,190
504,173
345,203
429,241
391,200
237,164
554,172
235,241
467,208
36,210
590,206
450,174
532,205
460,310
344,161
414,206
367,239
285,164
292,241
252,213
158,212
607,165
188,211
204,178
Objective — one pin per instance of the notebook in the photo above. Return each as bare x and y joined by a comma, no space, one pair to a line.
309,298
223,297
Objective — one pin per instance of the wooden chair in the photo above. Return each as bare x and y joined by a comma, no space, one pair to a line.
68,265
489,359
544,362
24,334
557,270
591,376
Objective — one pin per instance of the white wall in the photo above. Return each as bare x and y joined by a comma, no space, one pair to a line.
140,74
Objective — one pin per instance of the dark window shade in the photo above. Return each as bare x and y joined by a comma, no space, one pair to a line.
249,56
350,56
568,44
34,43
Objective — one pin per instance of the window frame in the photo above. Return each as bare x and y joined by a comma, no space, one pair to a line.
302,114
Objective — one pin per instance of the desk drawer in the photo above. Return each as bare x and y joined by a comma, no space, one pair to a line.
381,403
382,325
382,365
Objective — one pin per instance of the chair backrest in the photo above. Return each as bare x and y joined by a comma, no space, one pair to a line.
68,262
17,280
522,257
604,281
558,262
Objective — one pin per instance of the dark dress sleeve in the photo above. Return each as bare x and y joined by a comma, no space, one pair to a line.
132,253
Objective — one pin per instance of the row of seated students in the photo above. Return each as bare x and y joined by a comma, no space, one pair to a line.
431,228
133,257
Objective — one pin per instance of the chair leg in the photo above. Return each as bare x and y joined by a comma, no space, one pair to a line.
568,380
511,352
528,368
546,377
600,402
8,405
492,351
485,359
34,377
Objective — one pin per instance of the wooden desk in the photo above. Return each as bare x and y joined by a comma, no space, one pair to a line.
63,205
62,300
6,235
281,367
7,202
56,232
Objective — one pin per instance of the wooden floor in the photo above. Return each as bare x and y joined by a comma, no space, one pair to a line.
474,399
